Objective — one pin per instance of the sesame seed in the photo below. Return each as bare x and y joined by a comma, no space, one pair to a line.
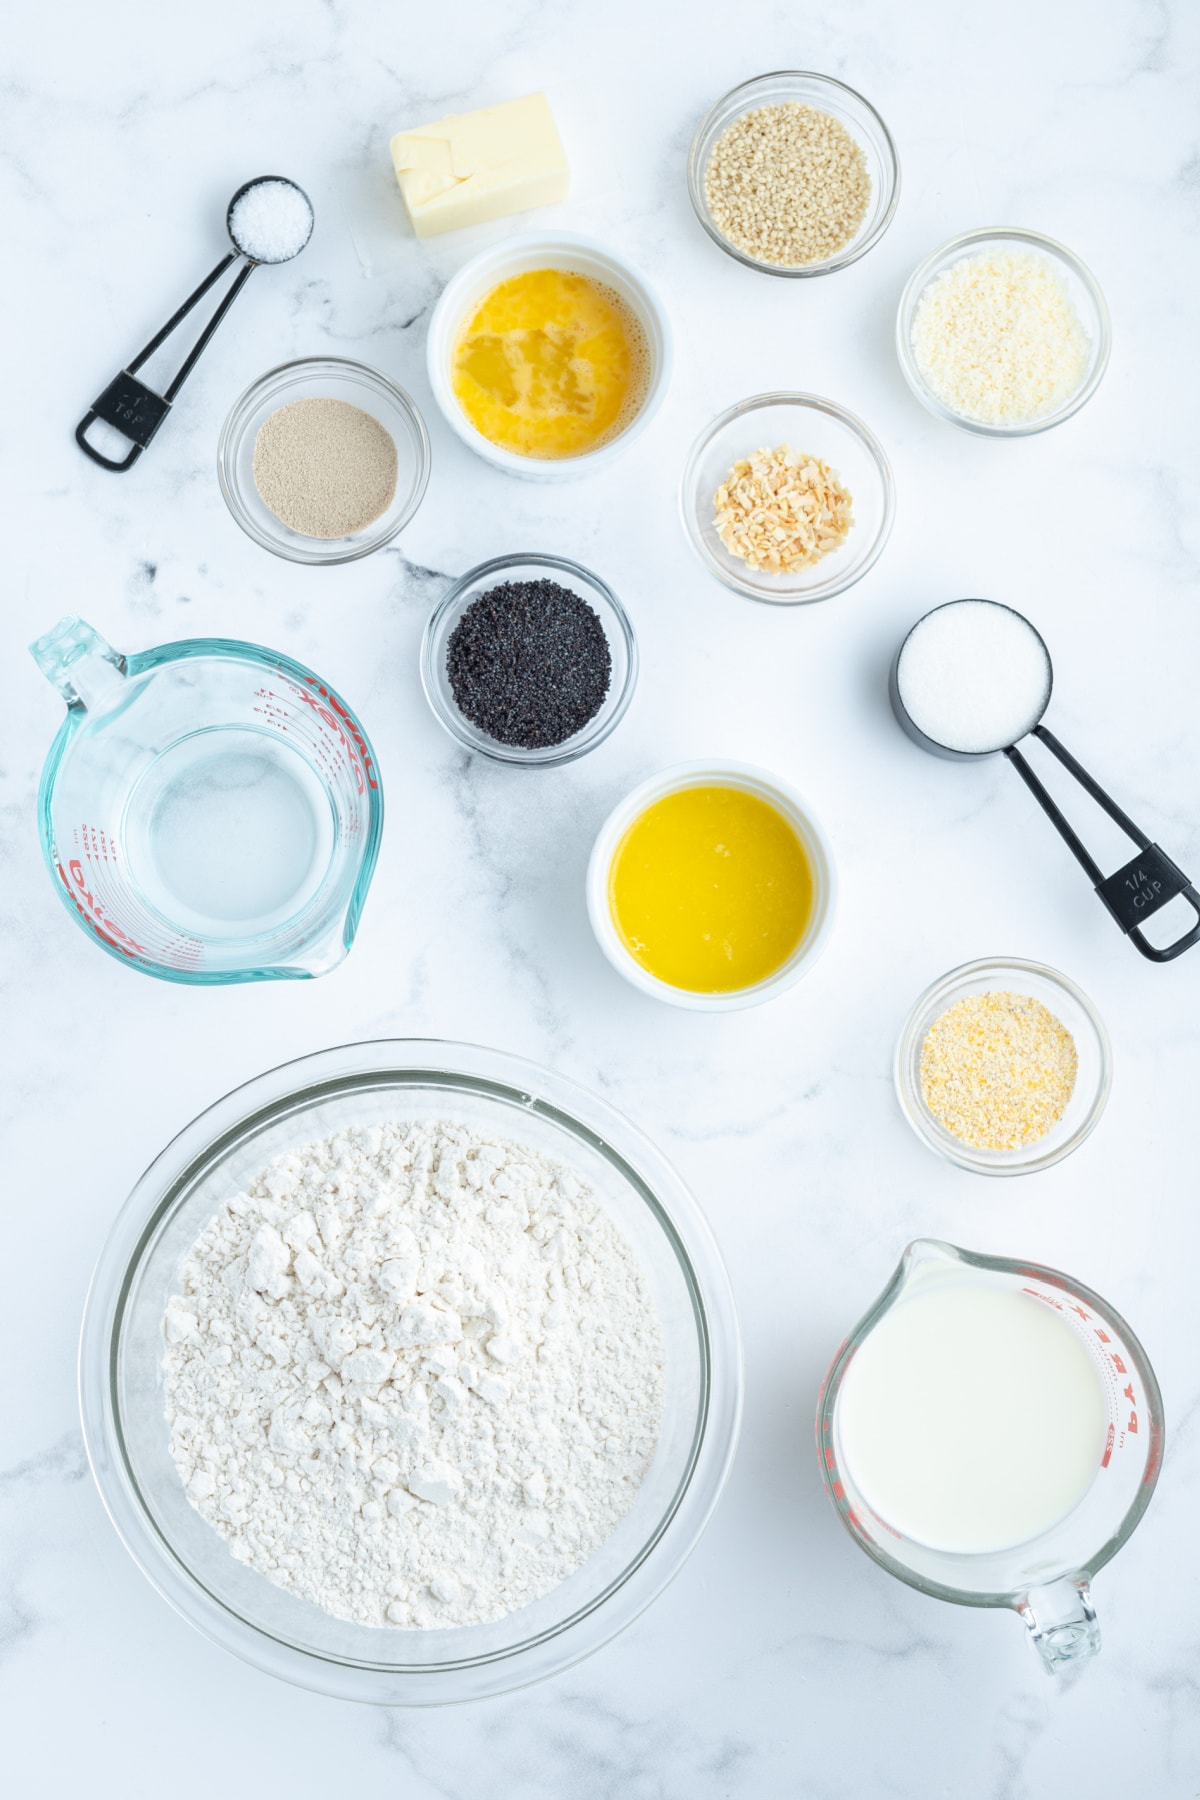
787,184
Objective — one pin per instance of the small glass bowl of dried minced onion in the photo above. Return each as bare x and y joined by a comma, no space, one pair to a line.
836,461
1003,332
794,173
1003,1066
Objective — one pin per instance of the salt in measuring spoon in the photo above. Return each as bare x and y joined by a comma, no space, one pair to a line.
269,220
974,677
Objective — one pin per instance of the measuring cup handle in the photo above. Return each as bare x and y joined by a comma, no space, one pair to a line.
1137,890
1061,1622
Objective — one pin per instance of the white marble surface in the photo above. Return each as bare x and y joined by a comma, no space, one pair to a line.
781,1662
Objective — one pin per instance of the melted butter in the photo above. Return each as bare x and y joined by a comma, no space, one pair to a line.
550,364
711,889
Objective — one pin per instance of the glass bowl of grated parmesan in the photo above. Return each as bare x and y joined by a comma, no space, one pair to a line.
481,1512
1003,332
1003,1066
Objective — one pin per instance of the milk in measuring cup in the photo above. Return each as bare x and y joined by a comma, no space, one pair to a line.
972,1418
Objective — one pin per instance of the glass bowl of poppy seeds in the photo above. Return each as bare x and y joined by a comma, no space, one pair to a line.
529,659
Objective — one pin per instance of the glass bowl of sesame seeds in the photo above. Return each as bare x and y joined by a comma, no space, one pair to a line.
794,173
1003,332
529,659
1003,1066
787,498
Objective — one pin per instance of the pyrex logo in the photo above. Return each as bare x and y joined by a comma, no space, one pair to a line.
92,912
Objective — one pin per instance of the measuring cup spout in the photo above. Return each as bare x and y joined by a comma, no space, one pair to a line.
322,954
1061,1622
84,667
926,1250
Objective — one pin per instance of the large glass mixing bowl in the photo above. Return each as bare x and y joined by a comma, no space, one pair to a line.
121,1392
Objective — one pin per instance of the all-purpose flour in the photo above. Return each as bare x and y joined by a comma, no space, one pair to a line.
413,1374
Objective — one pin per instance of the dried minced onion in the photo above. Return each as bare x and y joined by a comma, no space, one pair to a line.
781,510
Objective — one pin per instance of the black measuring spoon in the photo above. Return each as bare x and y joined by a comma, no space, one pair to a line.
127,404
1000,669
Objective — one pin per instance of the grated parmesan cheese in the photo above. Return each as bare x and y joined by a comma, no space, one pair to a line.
996,338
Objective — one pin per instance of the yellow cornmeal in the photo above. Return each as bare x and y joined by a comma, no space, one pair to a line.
550,364
997,1070
711,889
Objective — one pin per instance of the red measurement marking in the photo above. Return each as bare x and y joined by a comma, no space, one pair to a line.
1103,1336
356,742
1046,1299
1118,1364
1108,1446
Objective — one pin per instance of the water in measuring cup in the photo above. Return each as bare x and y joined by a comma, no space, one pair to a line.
229,833
972,1419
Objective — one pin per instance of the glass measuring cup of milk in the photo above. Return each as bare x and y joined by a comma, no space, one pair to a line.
210,811
991,1432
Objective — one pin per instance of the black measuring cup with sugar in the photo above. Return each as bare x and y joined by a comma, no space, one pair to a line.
134,409
974,677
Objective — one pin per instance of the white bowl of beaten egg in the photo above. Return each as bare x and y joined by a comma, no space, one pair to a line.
548,355
712,886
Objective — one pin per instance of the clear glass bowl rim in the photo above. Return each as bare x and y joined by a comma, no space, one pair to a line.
940,993
853,424
915,286
182,650
273,1094
857,247
277,379
596,730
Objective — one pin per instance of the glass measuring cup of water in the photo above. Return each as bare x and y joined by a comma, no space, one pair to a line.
210,811
1097,1483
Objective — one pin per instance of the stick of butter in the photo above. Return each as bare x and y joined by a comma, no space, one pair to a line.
473,167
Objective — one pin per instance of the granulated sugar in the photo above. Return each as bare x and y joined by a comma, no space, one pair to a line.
413,1374
974,676
324,467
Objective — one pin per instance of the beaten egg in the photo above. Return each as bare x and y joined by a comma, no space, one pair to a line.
551,364
711,889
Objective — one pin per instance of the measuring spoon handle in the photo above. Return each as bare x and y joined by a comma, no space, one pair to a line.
134,409
1142,886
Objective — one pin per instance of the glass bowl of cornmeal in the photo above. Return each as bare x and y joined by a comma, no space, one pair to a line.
549,355
712,886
